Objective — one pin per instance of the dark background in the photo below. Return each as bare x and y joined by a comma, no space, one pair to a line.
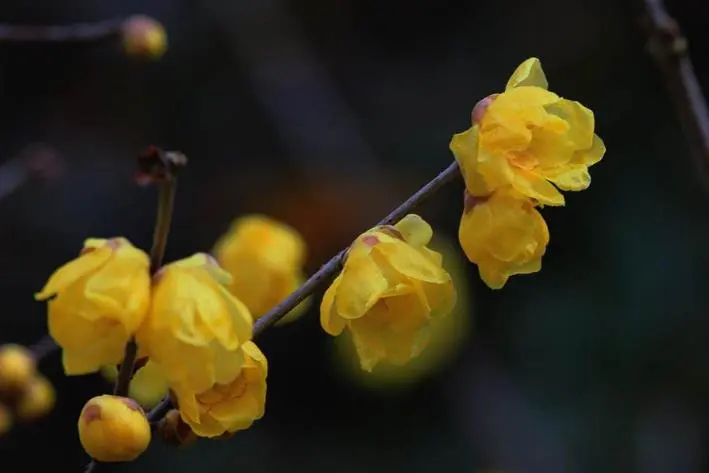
326,114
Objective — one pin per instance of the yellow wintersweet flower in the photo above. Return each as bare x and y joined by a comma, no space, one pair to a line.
37,400
147,386
391,288
504,235
102,297
265,259
228,407
195,327
528,138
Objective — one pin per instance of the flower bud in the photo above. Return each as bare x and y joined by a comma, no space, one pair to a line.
113,429
144,37
17,367
37,400
174,431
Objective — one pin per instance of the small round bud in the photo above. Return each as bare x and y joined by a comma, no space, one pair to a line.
113,429
144,37
37,400
481,107
5,419
174,431
17,368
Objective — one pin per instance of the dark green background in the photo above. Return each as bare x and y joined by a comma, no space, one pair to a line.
597,364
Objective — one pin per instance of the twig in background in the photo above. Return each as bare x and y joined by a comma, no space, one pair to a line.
668,47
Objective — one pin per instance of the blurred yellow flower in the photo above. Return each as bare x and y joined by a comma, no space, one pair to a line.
195,327
504,235
391,288
447,339
102,297
265,259
148,385
228,407
113,429
37,400
528,138
17,369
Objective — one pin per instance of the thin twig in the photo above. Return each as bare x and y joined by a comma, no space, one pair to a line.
161,170
43,347
329,269
77,32
668,47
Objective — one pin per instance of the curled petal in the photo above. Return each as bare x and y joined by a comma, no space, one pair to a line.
530,73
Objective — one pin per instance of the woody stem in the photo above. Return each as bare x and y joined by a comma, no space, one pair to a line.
329,269
77,32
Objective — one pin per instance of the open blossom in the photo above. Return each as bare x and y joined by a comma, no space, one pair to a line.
265,259
528,138
504,235
195,327
391,288
101,298
230,406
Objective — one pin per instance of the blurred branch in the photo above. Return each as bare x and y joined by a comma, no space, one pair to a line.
43,347
76,32
35,160
668,47
329,269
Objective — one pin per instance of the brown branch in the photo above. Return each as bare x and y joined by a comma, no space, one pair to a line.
77,32
329,269
43,347
155,166
668,47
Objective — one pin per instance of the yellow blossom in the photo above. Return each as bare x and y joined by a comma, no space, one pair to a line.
228,407
37,400
102,297
17,368
528,138
447,340
148,385
265,259
504,235
195,327
113,429
392,286
144,37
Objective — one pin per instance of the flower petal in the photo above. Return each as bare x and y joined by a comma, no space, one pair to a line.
574,178
538,188
415,230
530,72
74,270
330,320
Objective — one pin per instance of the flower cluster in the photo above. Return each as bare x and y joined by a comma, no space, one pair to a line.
190,323
24,393
525,144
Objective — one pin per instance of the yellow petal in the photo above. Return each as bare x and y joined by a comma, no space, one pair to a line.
464,147
77,363
571,178
253,352
415,230
592,155
538,188
530,72
492,273
74,270
408,262
580,119
330,320
361,287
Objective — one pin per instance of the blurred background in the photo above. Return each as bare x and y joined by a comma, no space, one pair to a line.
325,115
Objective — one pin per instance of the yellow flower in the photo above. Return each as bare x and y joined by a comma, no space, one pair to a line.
504,235
448,336
148,385
17,368
265,259
113,429
195,327
102,297
527,137
37,400
144,37
391,288
230,407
